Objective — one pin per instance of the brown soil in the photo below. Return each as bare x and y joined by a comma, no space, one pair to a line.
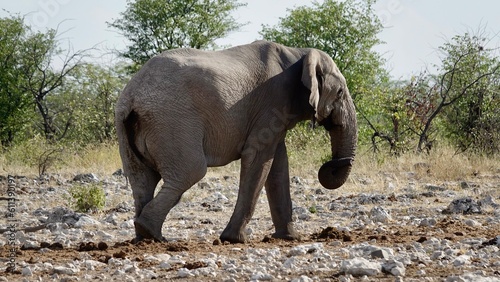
402,236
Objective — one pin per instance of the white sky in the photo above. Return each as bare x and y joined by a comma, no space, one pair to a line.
414,28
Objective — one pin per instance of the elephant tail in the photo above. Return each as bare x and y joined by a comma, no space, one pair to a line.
127,128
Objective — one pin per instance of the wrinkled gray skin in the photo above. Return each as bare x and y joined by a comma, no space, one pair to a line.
187,110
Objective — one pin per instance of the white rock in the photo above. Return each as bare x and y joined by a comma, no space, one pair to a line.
428,222
472,223
127,224
130,268
461,260
115,262
289,263
380,214
165,265
147,274
26,271
437,255
86,221
105,235
335,243
89,234
184,272
469,277
119,272
381,253
302,278
92,264
176,260
205,271
345,278
151,258
360,267
304,249
28,244
366,250
262,276
395,267
65,270
112,218
420,272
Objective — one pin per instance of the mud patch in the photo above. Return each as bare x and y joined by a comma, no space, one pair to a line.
91,246
195,265
332,233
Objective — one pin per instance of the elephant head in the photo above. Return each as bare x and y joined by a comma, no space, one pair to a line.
335,111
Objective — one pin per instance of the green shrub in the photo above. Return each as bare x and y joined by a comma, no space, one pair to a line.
312,209
87,198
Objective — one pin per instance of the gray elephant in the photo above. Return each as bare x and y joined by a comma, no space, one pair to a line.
187,110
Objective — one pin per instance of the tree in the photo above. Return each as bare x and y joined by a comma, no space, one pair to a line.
14,102
347,31
28,76
461,101
98,88
153,26
43,78
469,91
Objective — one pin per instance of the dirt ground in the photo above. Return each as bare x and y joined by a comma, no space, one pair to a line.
403,236
410,203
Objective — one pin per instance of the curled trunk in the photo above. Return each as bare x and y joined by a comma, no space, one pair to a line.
343,131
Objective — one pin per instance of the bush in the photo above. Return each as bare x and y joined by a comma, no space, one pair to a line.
87,198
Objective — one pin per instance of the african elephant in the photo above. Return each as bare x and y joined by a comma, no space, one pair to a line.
187,110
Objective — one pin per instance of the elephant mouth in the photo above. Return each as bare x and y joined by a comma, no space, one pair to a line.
327,123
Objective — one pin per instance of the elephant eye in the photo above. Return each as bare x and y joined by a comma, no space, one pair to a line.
340,92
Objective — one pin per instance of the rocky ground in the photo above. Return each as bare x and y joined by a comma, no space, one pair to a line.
406,230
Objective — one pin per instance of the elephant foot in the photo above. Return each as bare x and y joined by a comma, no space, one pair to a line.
137,238
286,232
143,231
290,235
233,237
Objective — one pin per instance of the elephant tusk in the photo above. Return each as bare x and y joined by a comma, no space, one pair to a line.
341,162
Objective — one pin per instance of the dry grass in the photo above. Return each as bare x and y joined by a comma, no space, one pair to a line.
441,166
100,159
25,159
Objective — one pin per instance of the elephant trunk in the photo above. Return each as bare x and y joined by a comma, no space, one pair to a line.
342,127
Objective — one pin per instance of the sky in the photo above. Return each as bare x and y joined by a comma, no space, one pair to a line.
414,29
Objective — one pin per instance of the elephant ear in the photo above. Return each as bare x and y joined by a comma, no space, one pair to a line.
310,73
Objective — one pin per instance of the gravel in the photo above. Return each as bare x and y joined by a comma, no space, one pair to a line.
418,231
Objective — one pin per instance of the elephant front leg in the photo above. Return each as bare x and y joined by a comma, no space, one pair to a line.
254,170
278,195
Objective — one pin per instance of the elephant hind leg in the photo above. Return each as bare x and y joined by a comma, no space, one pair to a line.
178,178
143,183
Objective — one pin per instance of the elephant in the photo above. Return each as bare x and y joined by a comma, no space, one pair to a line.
188,109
